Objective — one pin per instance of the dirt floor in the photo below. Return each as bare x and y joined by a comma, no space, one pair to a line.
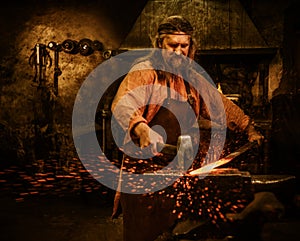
60,208
84,219
57,219
36,206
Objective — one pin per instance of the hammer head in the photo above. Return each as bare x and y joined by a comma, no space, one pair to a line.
185,152
183,149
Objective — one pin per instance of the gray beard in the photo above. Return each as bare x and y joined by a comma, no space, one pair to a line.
177,68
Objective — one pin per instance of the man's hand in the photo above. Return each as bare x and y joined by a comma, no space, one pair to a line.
148,137
254,135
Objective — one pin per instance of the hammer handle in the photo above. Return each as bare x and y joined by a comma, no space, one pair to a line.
166,148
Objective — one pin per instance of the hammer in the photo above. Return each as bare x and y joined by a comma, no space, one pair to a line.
184,151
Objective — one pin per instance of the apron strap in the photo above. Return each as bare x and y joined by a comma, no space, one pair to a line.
190,98
168,90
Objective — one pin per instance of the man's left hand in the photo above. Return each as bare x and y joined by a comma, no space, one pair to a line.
254,135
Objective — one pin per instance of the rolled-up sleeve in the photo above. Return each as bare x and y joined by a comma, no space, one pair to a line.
212,106
235,117
131,99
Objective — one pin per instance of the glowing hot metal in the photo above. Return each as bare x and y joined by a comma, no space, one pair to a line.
209,167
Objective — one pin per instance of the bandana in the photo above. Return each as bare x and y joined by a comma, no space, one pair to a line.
176,25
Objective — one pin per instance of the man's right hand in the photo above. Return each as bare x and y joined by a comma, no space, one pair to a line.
147,137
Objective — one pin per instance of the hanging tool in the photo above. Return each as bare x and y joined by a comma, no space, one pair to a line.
40,59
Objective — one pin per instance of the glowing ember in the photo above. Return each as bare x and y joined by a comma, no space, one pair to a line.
210,198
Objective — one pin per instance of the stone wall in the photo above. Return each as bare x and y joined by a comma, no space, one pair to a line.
36,124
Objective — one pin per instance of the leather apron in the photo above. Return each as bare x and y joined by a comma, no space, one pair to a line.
146,216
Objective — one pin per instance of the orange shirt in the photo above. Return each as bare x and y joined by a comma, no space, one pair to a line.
142,86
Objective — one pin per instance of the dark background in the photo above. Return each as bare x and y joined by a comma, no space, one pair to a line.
38,159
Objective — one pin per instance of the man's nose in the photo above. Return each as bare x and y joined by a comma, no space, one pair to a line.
178,51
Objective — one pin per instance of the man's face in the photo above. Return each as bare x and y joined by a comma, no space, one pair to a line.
178,44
